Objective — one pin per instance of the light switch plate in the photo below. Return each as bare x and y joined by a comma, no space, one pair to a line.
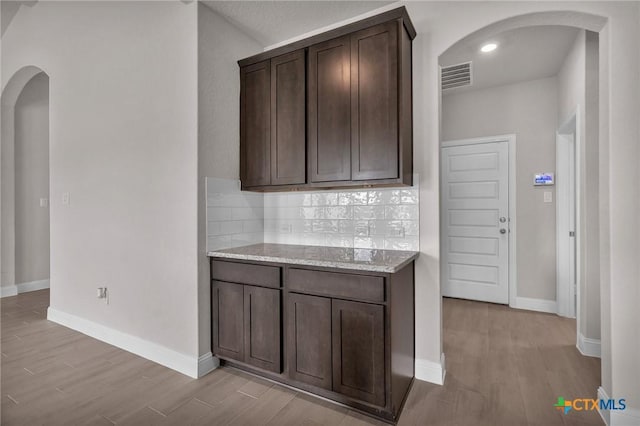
66,198
548,197
44,202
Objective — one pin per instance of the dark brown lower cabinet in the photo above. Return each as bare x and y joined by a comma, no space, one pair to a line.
247,324
344,335
228,324
309,339
262,328
358,350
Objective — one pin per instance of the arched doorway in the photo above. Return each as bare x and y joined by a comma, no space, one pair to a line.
467,146
24,205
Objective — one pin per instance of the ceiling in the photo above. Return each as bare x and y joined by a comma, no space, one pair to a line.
523,54
270,22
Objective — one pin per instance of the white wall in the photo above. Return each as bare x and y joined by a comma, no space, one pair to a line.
578,92
32,181
590,214
123,111
220,46
571,79
529,110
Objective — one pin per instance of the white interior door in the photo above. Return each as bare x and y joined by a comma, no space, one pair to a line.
475,221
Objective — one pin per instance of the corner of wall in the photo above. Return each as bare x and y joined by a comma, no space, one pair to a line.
430,371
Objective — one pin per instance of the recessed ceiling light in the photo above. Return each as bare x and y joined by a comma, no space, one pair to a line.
489,47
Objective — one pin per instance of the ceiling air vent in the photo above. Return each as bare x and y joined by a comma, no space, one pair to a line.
456,76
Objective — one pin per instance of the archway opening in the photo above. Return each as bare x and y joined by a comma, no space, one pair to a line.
506,92
25,229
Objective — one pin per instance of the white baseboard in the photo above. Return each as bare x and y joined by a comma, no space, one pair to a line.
588,347
12,290
429,371
207,363
8,291
33,286
605,414
627,417
185,364
539,305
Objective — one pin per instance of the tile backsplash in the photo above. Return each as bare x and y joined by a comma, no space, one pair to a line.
234,218
384,218
376,218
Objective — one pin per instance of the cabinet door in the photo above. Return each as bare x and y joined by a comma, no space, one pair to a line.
228,319
358,350
309,339
262,328
374,103
329,111
255,121
288,119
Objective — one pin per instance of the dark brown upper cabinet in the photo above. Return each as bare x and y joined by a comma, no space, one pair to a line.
255,124
329,111
374,103
339,117
288,119
273,122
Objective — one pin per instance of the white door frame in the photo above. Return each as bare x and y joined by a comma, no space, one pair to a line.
568,296
511,141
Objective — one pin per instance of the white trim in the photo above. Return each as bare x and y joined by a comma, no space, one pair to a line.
511,142
539,305
12,290
429,371
33,286
602,394
207,363
627,417
8,291
185,364
568,152
587,346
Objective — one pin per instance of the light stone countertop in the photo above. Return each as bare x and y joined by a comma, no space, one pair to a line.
372,260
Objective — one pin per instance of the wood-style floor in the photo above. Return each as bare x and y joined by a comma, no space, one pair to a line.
504,367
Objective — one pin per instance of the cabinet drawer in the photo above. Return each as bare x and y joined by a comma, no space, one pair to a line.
335,284
245,273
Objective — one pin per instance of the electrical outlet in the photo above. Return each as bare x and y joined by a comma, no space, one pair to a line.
44,202
102,293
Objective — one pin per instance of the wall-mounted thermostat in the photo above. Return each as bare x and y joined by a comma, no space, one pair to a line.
541,179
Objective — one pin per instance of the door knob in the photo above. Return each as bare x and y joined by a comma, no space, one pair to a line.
503,219
503,231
